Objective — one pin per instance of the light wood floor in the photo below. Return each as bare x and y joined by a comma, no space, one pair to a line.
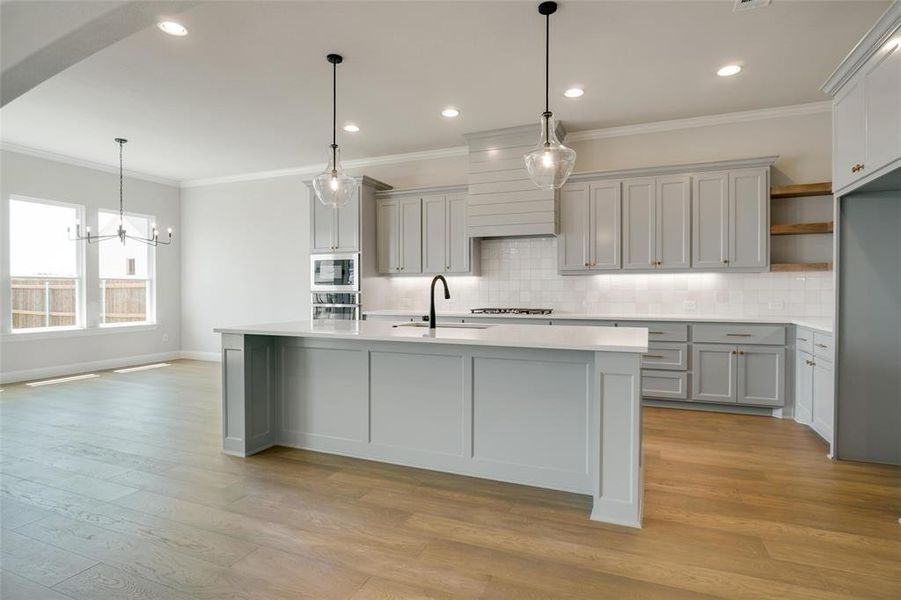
114,488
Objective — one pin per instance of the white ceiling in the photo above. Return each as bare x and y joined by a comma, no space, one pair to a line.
249,88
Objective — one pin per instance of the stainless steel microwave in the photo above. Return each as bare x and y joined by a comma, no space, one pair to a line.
335,273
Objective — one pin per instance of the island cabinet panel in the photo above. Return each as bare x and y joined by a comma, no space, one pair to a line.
546,426
249,420
416,402
639,223
328,394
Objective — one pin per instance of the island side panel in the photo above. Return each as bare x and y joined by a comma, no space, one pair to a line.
617,479
249,380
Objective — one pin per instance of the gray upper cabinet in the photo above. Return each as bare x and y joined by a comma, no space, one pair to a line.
883,108
710,221
399,235
388,236
730,220
434,239
749,218
334,229
589,237
459,245
410,229
639,223
673,226
848,136
761,375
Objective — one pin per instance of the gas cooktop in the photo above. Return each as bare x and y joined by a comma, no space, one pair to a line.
511,311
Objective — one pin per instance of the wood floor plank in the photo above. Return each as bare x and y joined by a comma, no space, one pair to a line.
103,582
37,561
13,587
92,487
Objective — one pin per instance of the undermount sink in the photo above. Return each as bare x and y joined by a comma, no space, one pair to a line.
445,325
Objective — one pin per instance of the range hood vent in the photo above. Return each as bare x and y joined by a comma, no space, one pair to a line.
503,201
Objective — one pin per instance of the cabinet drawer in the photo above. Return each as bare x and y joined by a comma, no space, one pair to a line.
823,346
804,340
663,355
773,335
672,385
660,332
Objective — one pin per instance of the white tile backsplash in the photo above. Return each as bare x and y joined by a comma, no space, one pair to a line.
523,272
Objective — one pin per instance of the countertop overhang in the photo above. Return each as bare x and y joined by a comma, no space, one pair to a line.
600,339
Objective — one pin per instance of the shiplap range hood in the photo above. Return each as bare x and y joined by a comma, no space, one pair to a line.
503,201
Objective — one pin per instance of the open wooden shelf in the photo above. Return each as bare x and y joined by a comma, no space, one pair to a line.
799,228
801,190
789,267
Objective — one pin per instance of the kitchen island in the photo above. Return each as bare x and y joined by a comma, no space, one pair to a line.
557,408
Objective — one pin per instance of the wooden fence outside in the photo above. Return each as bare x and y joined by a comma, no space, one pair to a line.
38,302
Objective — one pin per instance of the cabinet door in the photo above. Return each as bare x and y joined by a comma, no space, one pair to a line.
639,223
434,234
388,236
573,239
347,226
803,387
749,218
710,221
674,222
411,235
604,225
713,377
458,244
848,135
823,398
322,223
761,375
883,108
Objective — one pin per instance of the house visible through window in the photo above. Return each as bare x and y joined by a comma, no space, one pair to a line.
45,266
126,271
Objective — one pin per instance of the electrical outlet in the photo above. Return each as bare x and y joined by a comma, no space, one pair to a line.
776,305
165,337
690,306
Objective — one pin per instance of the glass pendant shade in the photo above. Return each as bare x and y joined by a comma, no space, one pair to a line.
550,163
333,186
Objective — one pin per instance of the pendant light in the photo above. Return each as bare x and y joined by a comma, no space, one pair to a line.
333,186
121,233
550,163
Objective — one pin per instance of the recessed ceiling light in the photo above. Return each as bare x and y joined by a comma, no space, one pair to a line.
573,92
351,128
450,113
729,70
173,28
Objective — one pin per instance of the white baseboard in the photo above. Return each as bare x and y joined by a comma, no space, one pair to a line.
197,355
84,367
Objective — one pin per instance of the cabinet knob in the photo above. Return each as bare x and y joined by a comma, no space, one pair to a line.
856,168
587,264
725,261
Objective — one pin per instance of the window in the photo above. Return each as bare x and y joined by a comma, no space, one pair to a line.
45,265
126,271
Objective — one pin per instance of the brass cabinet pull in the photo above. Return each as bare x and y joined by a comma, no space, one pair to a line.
802,339
821,345
739,335
654,356
653,263
856,168
656,332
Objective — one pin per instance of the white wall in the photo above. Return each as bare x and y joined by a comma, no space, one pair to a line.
37,356
245,258
264,276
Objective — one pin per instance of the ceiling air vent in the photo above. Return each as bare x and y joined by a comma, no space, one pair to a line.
749,4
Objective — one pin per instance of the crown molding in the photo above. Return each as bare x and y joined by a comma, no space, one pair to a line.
80,162
311,170
705,121
868,45
425,191
716,165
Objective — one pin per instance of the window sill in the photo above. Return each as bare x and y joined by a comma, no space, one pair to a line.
69,332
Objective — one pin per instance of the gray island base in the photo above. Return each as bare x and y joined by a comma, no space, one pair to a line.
556,408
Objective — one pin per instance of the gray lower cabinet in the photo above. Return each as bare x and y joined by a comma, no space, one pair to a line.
815,381
667,385
803,387
399,235
823,398
713,373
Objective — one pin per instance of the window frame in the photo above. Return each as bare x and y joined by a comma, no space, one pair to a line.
80,277
150,302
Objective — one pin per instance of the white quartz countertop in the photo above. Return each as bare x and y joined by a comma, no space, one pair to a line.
594,339
819,323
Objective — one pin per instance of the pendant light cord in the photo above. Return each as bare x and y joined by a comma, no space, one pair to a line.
547,63
121,204
334,116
